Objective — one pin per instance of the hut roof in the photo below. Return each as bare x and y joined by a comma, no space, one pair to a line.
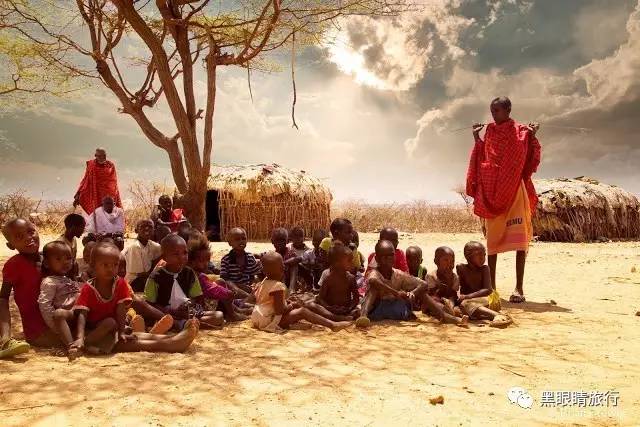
252,183
583,209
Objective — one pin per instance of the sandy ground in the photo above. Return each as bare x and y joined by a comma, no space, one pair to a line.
588,342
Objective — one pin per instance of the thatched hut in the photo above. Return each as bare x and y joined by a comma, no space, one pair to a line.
262,197
584,209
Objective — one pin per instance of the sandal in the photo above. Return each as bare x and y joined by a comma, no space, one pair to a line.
517,298
13,348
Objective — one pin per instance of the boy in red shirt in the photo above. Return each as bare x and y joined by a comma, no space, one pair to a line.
21,273
400,260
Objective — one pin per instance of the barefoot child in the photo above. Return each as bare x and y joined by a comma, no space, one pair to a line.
141,256
199,257
271,312
341,231
239,268
102,305
475,286
279,239
338,287
414,262
175,289
443,283
21,273
58,293
391,292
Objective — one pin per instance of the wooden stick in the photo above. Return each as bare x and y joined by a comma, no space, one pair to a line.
513,372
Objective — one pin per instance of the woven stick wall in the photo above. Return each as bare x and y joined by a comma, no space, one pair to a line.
583,209
262,197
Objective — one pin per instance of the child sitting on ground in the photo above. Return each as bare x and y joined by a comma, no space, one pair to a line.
239,268
84,263
102,306
199,257
310,267
58,293
400,262
443,283
391,292
165,215
271,312
279,239
74,225
414,262
141,256
338,287
175,289
475,286
298,280
342,231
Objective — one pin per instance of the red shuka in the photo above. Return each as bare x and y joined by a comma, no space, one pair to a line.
508,155
98,182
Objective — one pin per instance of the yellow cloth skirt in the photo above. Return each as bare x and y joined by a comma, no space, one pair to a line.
511,231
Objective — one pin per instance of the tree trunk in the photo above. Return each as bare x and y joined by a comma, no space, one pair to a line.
193,203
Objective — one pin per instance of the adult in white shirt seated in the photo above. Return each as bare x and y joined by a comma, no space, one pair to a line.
107,221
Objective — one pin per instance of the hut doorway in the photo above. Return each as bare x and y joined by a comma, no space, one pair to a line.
212,208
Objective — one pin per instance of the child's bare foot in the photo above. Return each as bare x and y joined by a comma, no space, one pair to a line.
137,324
163,325
73,353
180,342
464,322
338,326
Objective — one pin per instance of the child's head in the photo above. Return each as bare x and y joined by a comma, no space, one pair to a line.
318,236
199,253
165,202
341,229
414,257
237,239
74,224
385,255
174,253
390,234
57,258
444,258
144,230
297,237
86,252
108,204
340,257
105,261
22,236
161,232
475,253
122,266
184,230
500,109
273,266
279,239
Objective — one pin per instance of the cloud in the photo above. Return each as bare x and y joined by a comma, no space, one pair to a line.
603,95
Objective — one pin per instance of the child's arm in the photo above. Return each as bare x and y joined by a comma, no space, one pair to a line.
324,289
486,286
5,315
280,306
45,302
355,295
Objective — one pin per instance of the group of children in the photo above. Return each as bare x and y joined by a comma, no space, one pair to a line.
155,294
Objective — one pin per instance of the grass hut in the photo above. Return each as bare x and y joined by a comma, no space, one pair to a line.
583,209
262,197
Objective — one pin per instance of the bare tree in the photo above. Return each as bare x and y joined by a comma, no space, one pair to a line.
174,37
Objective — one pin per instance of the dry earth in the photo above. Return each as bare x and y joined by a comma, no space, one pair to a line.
588,341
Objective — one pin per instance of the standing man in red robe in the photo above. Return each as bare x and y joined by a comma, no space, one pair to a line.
99,181
499,180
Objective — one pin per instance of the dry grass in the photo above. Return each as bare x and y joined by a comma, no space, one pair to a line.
416,217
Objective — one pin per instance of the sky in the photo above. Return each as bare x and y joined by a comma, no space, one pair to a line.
377,102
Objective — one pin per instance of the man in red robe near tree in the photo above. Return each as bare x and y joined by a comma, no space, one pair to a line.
499,180
99,181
